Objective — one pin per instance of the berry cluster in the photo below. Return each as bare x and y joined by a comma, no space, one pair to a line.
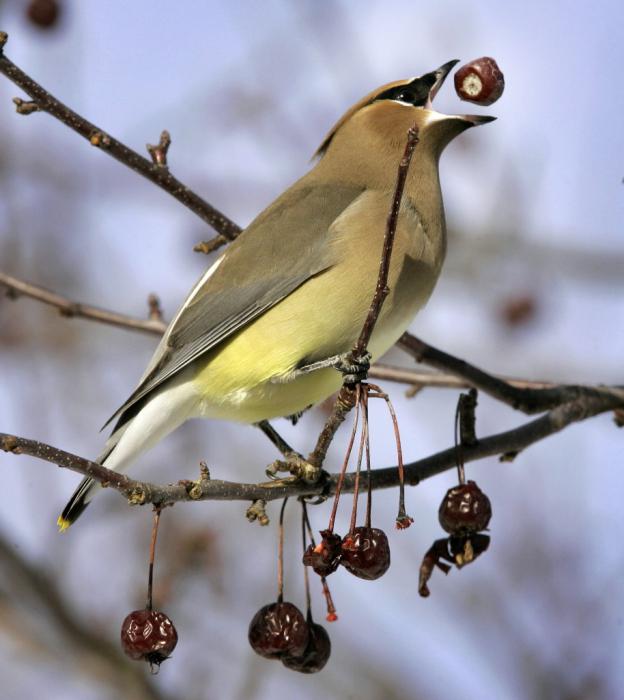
280,631
464,512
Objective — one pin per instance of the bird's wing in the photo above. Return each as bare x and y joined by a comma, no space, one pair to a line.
281,249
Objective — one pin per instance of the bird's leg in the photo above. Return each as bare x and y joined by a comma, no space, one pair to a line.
353,369
294,463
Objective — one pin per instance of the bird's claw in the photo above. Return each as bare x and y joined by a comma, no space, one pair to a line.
354,369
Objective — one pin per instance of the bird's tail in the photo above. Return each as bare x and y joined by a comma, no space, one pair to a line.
84,493
162,413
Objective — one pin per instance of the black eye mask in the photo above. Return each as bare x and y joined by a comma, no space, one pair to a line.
415,93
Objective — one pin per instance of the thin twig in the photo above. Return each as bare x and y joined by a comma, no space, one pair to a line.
527,399
382,290
510,442
73,309
346,396
156,173
159,152
207,247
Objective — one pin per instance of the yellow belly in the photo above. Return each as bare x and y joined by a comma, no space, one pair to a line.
249,378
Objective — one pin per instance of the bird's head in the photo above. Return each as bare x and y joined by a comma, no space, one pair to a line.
379,121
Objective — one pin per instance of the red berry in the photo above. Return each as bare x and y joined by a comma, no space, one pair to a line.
366,553
278,629
316,654
43,13
325,557
465,509
148,635
481,81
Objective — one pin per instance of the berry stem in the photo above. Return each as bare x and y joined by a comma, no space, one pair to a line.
280,555
369,494
306,579
403,520
150,573
459,453
363,438
332,517
331,610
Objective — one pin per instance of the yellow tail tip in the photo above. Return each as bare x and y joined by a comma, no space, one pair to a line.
63,523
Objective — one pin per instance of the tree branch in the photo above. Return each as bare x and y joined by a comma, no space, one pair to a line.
507,444
72,309
156,326
347,396
155,171
527,399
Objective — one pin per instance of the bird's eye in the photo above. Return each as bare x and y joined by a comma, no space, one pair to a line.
406,96
414,93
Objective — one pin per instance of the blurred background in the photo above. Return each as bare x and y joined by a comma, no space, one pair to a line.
533,287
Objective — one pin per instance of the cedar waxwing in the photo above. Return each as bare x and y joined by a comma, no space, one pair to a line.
294,288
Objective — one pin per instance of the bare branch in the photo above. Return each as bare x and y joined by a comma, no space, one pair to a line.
506,444
347,396
155,172
449,379
207,247
72,309
524,398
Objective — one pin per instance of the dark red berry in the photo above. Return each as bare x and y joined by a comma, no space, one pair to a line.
366,553
465,509
278,629
481,81
43,13
148,635
466,548
316,654
325,557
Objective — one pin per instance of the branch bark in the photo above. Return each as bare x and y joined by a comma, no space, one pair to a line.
154,171
506,444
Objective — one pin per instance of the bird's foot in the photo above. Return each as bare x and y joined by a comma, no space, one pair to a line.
354,369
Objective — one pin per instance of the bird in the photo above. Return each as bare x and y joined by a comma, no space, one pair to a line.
259,333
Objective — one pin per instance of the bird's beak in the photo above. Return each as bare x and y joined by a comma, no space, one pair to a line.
438,77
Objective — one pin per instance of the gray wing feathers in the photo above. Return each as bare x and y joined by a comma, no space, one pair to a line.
290,242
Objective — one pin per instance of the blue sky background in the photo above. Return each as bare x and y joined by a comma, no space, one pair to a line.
535,205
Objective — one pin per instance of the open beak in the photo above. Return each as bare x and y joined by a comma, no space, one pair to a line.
439,76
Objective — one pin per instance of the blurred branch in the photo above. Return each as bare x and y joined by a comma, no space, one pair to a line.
590,402
155,171
156,325
17,287
91,653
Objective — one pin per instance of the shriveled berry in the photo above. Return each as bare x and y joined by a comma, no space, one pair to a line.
316,654
325,557
465,509
466,548
366,552
43,13
481,81
279,629
148,635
